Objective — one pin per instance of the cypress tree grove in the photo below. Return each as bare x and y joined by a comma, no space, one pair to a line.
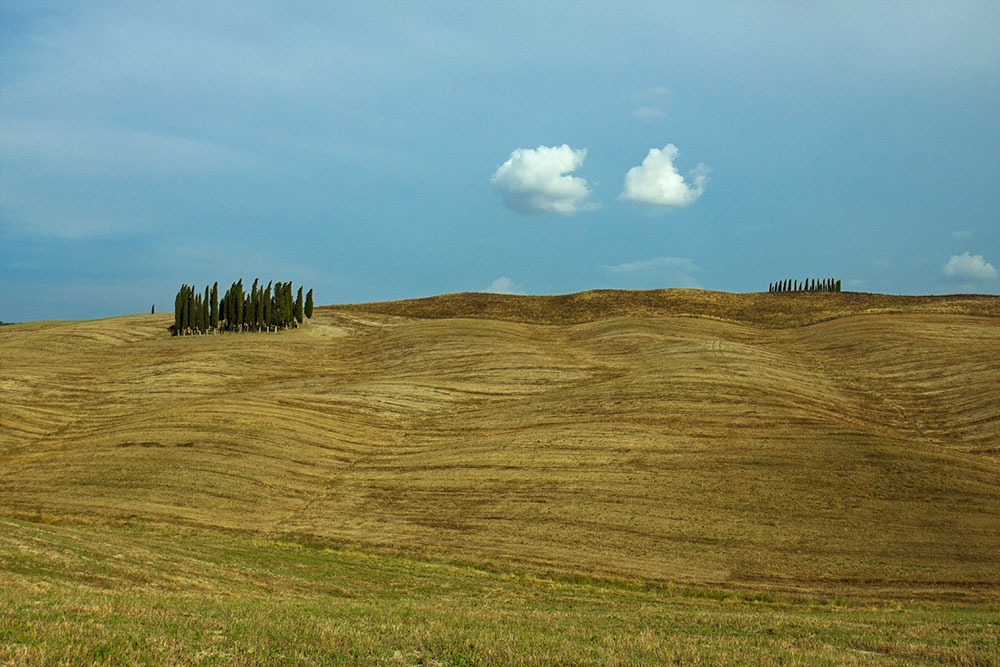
807,285
256,309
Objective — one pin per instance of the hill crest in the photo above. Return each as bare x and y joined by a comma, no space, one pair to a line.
759,309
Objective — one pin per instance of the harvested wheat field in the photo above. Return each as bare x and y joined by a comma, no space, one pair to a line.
807,445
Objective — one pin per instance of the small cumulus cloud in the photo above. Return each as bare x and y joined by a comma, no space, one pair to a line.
657,181
503,285
969,267
674,270
537,180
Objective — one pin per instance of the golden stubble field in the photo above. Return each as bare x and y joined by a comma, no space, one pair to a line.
816,444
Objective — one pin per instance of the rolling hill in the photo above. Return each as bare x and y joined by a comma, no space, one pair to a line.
805,444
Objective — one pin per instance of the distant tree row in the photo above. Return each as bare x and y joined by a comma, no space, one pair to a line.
807,285
270,308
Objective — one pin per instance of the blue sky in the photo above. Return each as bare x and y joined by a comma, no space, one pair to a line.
384,150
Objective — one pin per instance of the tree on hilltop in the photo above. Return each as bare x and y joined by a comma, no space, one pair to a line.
256,309
213,310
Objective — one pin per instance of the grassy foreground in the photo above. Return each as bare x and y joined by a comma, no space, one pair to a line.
125,594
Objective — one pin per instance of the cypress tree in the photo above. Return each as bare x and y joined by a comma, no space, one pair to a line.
255,305
177,313
195,309
254,313
238,306
213,313
309,304
267,306
190,308
231,307
185,310
273,307
286,304
205,314
297,311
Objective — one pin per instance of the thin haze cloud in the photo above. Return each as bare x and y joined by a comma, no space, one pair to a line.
676,271
503,285
645,112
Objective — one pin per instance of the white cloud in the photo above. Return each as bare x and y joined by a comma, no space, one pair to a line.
535,180
674,270
657,181
969,267
503,285
648,113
